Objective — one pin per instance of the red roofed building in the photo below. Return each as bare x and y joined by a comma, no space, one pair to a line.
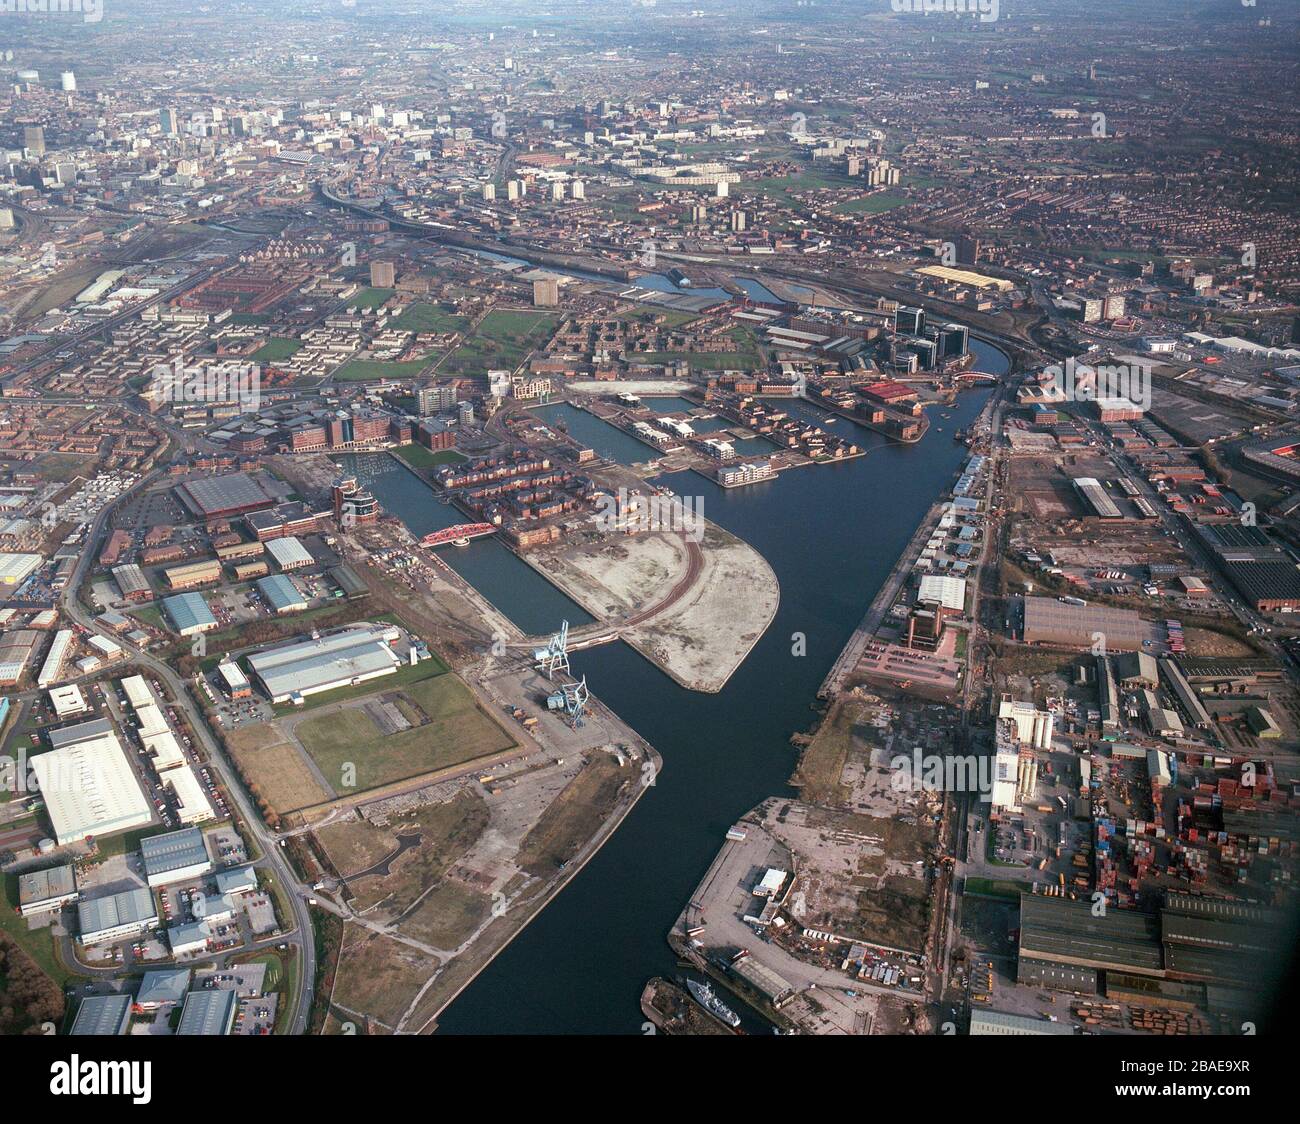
889,392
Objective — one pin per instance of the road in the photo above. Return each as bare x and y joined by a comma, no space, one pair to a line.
961,804
302,936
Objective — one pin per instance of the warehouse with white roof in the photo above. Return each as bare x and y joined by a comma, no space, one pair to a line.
17,568
192,804
175,856
948,591
152,721
342,659
52,668
87,784
118,915
137,691
166,750
289,553
68,702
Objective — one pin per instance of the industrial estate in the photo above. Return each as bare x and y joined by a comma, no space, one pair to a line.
815,484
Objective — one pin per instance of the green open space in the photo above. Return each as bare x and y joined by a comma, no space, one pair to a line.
457,730
277,349
367,370
429,318
417,456
701,360
500,342
869,204
673,317
1004,888
784,188
150,615
371,298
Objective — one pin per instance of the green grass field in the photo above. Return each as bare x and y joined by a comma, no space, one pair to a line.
366,370
457,731
429,318
1003,888
702,360
501,340
869,205
150,615
417,456
370,298
674,318
782,188
276,349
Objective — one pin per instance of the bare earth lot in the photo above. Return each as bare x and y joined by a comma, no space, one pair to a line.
707,631
376,973
275,768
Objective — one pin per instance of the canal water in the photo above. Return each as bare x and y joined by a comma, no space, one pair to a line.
518,590
831,534
607,440
660,283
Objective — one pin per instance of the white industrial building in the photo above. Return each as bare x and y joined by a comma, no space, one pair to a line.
137,691
152,721
190,937
17,568
40,891
166,751
288,553
87,783
233,677
948,591
52,668
240,880
116,916
162,987
1033,727
341,659
192,805
68,702
109,649
1008,782
175,856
